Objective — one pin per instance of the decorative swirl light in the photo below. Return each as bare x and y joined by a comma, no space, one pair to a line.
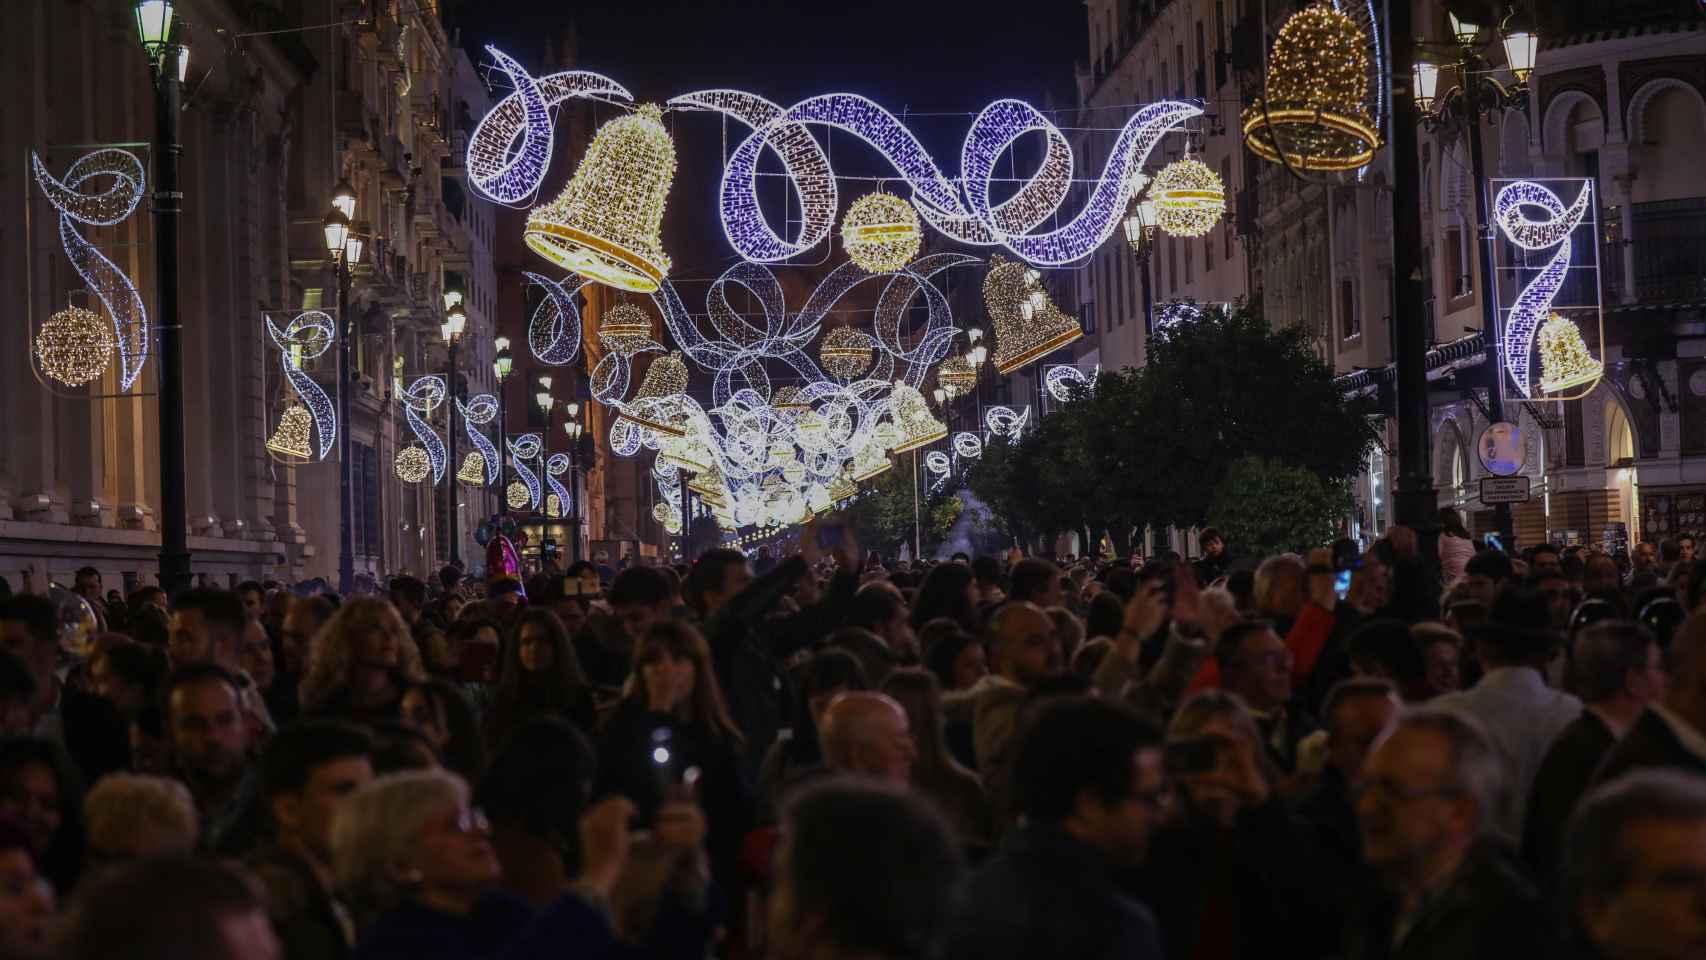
306,337
967,446
424,396
554,333
556,466
962,211
106,208
477,412
1060,380
522,449
1534,304
511,145
1005,421
938,463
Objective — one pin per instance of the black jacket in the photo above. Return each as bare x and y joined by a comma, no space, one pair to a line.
1560,783
754,684
310,924
1649,743
1488,912
1047,895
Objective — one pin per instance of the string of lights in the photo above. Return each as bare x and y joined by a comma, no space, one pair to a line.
308,336
1534,303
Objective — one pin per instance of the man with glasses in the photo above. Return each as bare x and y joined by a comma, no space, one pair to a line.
1256,665
1635,868
1425,811
1088,780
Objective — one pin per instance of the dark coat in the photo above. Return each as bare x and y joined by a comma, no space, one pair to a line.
502,927
754,684
1488,912
309,923
1649,743
1563,778
1047,895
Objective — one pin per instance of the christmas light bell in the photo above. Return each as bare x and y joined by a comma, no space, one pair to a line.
291,438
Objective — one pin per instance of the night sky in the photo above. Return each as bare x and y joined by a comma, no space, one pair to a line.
929,56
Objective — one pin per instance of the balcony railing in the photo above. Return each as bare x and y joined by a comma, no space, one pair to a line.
1670,252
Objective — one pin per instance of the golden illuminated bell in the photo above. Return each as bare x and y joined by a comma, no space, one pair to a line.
291,438
1314,109
870,462
651,406
1024,331
918,427
473,469
605,225
1564,358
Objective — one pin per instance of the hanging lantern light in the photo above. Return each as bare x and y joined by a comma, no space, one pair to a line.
1188,198
881,232
74,346
290,440
1023,332
918,427
605,224
1520,48
1315,108
1140,226
846,352
1425,79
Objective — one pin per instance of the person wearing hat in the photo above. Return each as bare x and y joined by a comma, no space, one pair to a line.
1520,713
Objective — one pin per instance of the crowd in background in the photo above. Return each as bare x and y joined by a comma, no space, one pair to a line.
1357,754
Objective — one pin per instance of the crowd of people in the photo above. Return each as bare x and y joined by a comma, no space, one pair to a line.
1350,754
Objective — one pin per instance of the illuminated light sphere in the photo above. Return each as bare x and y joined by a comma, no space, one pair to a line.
412,464
846,352
1189,198
956,376
605,224
788,399
625,328
881,232
473,469
74,346
663,512
1564,358
1315,108
1023,331
516,495
291,438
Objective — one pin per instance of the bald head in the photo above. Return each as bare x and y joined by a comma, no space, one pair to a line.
1023,643
867,733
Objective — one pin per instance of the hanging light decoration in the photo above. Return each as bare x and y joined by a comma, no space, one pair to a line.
956,376
870,462
912,415
841,489
74,346
625,329
665,380
788,399
473,469
605,224
1023,332
516,495
1315,108
881,232
1189,198
290,440
846,352
412,464
1564,358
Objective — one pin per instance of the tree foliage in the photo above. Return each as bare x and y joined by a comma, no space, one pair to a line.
882,518
1151,446
1265,507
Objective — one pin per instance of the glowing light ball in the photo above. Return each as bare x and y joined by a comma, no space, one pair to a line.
1189,198
846,352
74,346
625,328
881,232
412,464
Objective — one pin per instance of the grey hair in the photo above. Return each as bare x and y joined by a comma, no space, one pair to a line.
1476,767
1595,860
376,828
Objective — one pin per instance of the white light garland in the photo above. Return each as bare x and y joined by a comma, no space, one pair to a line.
308,336
424,396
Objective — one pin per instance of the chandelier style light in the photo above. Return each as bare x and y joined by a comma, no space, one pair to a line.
290,440
605,224
917,426
881,232
412,464
1564,358
846,352
1189,198
625,329
1027,323
74,346
1314,112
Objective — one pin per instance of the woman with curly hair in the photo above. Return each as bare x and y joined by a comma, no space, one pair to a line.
541,677
362,661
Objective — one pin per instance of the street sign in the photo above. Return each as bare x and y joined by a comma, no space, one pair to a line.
1504,490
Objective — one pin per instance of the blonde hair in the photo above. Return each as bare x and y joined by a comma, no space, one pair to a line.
329,654
379,825
122,804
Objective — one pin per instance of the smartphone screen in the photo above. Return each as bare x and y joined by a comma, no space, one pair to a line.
1342,584
1493,542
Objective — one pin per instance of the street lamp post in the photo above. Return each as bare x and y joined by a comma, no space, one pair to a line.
572,427
344,246
501,368
1140,225
1461,110
168,58
451,329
